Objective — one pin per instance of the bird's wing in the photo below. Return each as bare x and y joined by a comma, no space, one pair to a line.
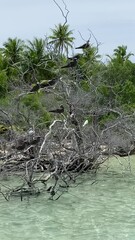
35,88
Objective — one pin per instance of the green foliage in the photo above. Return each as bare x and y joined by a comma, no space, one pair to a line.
120,55
127,95
3,128
12,50
5,100
2,62
62,38
39,115
35,51
37,63
89,64
3,84
104,90
91,54
118,79
22,64
85,85
44,119
107,118
32,101
128,108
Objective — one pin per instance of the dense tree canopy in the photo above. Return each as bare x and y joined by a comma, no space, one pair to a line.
29,64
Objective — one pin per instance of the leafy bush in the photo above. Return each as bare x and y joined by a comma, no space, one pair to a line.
3,84
32,101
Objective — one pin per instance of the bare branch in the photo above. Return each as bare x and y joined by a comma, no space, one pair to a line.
47,135
98,43
83,38
63,14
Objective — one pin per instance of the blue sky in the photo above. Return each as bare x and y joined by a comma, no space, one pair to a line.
111,21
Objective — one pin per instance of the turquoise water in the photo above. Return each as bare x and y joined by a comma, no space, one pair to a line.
98,208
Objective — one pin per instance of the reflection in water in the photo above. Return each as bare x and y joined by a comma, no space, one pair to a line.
103,210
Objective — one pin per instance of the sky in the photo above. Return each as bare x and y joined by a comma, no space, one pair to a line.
112,22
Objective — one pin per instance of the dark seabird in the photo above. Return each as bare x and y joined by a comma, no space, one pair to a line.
58,110
36,87
43,84
84,46
71,64
77,56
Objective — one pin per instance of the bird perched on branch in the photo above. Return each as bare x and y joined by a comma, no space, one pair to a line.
58,110
43,84
85,123
84,46
77,56
71,64
35,87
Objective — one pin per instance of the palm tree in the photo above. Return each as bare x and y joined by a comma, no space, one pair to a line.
35,51
12,50
36,62
34,57
62,38
120,55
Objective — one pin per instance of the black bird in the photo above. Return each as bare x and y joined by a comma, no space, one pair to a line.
43,84
71,64
77,56
58,110
84,46
23,143
36,87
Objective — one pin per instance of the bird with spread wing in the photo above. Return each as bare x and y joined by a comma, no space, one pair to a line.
43,84
58,110
84,46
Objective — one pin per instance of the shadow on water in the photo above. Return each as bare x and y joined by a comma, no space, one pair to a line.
98,207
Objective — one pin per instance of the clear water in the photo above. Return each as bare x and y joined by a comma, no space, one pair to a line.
103,210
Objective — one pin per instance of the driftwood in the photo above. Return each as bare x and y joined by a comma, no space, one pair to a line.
57,158
52,161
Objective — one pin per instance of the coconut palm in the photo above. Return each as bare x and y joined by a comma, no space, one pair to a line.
62,38
120,55
36,62
35,51
12,50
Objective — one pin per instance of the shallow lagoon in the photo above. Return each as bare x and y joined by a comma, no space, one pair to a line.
100,207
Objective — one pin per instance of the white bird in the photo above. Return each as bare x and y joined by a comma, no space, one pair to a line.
85,123
31,131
